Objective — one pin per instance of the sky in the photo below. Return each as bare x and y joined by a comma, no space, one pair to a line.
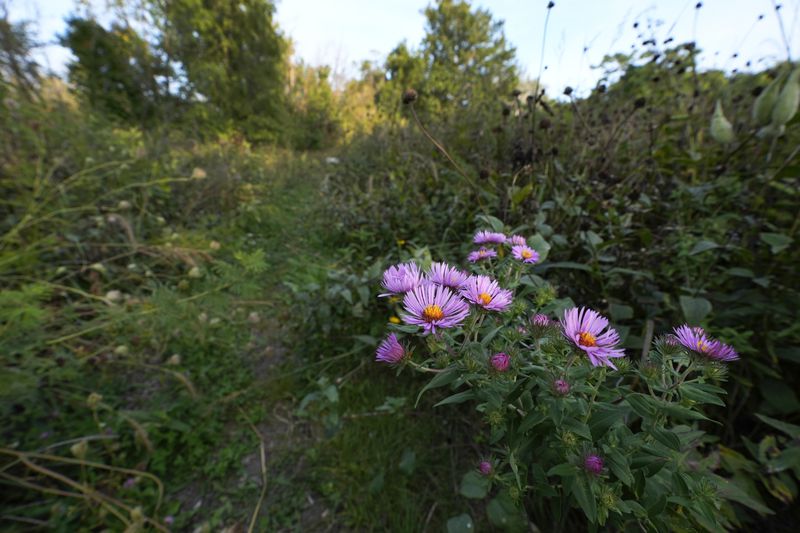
343,33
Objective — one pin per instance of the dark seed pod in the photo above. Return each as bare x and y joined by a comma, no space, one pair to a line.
545,124
484,173
551,5
639,102
601,88
506,110
567,90
409,96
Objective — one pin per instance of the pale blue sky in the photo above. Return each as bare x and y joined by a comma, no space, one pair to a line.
342,33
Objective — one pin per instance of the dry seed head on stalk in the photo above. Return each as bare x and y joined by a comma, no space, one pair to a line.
409,96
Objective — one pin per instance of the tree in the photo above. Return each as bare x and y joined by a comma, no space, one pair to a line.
467,61
232,57
115,69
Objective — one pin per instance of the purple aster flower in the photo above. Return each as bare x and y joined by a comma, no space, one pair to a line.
541,321
483,253
518,240
500,361
130,482
169,519
390,351
584,327
526,254
433,306
593,464
485,468
444,274
489,237
484,292
399,279
561,387
696,340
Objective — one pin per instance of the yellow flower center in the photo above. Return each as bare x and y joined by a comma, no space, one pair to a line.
527,254
587,339
485,298
702,346
394,320
432,312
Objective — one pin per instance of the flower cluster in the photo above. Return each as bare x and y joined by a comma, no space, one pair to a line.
518,244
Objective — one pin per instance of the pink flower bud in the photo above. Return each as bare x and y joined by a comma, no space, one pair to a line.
500,361
593,464
485,468
561,387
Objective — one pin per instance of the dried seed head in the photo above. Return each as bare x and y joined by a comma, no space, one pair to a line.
409,96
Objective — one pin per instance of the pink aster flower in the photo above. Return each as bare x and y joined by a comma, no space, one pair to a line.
526,254
696,340
390,350
593,464
484,292
518,240
433,306
584,327
489,237
485,468
483,253
500,361
444,274
399,279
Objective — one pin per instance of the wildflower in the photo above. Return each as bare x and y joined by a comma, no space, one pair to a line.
489,237
130,482
114,296
584,327
485,468
169,519
484,292
400,279
541,321
593,464
561,387
444,274
518,240
432,306
696,340
483,253
526,254
390,350
500,361
394,320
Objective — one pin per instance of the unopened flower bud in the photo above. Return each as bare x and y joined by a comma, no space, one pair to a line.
409,96
80,449
114,296
195,273
561,387
500,361
121,350
721,129
485,468
124,205
93,400
788,100
198,173
174,360
593,464
214,245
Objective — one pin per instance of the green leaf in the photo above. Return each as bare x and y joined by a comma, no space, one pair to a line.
566,264
694,309
619,466
778,242
644,406
730,490
474,485
459,397
577,427
563,470
538,243
620,312
790,429
439,380
503,513
408,461
495,223
703,246
667,438
521,194
605,416
697,392
460,524
584,497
